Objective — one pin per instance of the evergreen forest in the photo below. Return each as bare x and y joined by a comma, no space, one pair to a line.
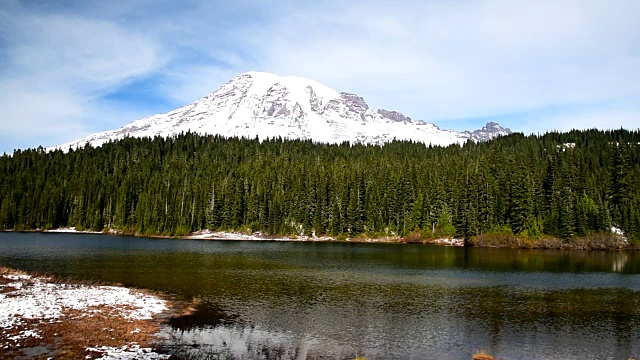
563,185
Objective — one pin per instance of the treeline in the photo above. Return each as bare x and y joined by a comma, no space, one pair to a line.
565,185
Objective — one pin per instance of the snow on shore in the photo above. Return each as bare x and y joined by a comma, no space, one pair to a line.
219,235
126,352
72,230
34,298
258,236
449,241
26,302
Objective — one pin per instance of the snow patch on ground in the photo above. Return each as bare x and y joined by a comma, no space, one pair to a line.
38,299
620,233
26,301
566,146
617,231
73,231
257,236
133,351
449,241
219,235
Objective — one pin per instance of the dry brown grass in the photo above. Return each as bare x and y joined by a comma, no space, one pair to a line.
548,242
498,240
185,308
414,237
599,241
9,271
481,355
4,281
69,336
75,331
103,328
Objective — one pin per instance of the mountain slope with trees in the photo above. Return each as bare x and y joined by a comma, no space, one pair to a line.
564,185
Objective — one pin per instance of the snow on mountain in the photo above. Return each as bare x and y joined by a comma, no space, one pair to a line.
489,131
267,106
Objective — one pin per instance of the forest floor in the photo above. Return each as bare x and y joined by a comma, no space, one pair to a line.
44,317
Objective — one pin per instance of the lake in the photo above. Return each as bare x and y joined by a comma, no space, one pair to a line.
296,300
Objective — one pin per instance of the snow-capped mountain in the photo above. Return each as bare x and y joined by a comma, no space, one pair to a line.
266,105
489,131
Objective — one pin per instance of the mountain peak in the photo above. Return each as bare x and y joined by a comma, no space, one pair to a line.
268,105
494,126
489,131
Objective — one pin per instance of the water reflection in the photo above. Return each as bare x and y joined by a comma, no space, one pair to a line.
619,261
242,342
204,315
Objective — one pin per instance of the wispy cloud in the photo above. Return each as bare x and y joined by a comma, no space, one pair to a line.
57,69
467,59
456,63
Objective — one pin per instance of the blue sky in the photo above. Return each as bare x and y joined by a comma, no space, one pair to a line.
71,68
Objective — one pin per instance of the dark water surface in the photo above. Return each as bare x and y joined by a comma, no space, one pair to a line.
280,300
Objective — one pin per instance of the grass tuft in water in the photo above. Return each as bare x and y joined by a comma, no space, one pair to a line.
481,355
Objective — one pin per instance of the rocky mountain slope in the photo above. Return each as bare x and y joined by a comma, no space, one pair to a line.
266,105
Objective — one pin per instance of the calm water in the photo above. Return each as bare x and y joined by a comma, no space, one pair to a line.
276,300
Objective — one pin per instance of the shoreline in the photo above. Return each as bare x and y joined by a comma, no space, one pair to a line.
41,316
613,241
256,236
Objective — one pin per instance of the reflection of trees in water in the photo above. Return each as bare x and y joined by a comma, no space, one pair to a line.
405,320
204,315
374,320
552,260
602,323
619,261
250,342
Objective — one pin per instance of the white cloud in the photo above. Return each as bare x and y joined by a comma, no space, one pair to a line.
42,113
463,59
81,52
57,70
443,61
